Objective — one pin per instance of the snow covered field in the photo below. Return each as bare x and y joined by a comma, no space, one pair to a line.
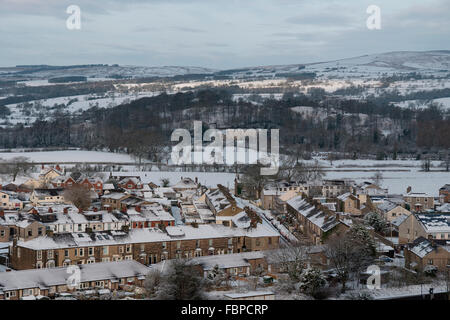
69,156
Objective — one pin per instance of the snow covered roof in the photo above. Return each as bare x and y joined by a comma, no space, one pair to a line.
345,196
417,195
225,261
444,208
435,222
421,247
185,183
399,220
207,231
38,278
387,206
132,179
108,186
319,218
114,195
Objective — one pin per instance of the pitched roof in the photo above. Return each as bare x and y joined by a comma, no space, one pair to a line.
319,218
44,278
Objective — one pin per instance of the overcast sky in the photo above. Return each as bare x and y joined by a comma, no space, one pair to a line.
215,33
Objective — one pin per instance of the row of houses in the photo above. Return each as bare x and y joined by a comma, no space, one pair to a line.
148,246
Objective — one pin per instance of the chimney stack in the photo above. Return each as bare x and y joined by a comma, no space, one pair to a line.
123,210
50,210
138,209
95,209
2,213
65,210
109,209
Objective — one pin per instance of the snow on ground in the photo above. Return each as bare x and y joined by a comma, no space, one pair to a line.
69,156
392,292
397,174
73,104
444,102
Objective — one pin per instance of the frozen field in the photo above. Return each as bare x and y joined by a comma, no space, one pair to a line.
69,156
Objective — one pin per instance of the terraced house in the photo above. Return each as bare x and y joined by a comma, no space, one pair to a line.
26,284
147,246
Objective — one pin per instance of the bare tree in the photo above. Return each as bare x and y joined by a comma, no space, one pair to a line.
349,253
152,282
165,182
181,282
291,260
16,166
253,181
377,178
292,169
79,195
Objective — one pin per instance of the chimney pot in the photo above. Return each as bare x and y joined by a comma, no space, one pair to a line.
65,210
95,209
50,210
138,209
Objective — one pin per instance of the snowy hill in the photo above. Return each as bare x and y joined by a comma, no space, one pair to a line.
99,71
373,65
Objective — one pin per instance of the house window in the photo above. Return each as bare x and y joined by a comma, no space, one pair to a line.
105,250
121,249
39,254
128,248
2,233
84,285
10,294
50,254
81,252
430,261
178,244
210,242
66,253
91,251
164,245
30,233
